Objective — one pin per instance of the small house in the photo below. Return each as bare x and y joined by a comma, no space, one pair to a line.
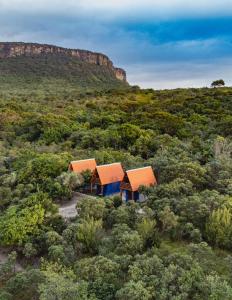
80,166
135,178
106,179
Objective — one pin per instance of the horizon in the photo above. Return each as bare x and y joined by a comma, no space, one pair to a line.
164,45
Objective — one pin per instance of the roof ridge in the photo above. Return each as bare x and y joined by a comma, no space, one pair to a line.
118,163
72,161
148,167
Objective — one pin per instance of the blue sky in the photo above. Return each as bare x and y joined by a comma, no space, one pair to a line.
161,44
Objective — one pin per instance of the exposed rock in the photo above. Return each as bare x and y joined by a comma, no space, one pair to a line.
8,50
120,74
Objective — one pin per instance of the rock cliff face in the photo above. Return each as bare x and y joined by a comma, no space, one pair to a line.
8,50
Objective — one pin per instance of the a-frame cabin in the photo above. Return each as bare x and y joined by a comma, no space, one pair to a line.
133,179
79,166
106,179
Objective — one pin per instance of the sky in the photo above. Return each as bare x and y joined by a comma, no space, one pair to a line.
161,44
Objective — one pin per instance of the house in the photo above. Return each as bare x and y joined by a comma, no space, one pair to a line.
80,166
135,178
106,179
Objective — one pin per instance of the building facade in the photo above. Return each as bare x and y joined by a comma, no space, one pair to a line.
106,179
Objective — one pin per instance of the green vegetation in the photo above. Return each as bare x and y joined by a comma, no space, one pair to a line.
218,83
176,245
54,73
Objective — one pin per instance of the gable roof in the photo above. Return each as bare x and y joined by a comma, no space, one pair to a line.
110,173
79,166
143,176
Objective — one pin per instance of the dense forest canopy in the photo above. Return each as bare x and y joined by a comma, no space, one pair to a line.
177,245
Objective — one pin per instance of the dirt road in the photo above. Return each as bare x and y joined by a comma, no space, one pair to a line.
68,210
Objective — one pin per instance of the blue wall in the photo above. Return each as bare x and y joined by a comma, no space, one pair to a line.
109,189
129,195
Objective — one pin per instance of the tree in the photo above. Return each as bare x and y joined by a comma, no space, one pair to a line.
198,207
88,233
61,287
16,226
188,232
219,227
24,285
70,234
29,250
145,145
56,253
53,238
191,171
215,288
168,219
147,231
5,295
101,273
23,220
44,166
119,216
91,208
86,178
218,83
7,268
146,227
185,278
133,291
126,214
128,243
129,133
145,268
71,180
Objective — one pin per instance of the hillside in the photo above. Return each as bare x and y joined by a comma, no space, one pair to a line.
176,245
33,66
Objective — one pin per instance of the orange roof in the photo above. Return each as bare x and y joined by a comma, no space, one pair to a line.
79,166
143,176
110,173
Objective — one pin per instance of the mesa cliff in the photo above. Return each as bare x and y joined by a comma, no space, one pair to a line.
13,49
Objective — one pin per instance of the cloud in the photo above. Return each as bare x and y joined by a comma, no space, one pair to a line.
180,75
160,43
117,8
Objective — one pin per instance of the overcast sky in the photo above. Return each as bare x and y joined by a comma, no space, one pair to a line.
160,43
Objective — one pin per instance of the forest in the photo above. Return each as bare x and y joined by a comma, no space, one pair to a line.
175,246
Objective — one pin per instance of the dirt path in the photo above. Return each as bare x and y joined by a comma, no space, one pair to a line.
68,210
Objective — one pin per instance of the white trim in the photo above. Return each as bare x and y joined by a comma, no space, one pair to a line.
74,161
149,167
109,165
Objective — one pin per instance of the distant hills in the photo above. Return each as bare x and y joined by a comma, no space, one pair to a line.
33,66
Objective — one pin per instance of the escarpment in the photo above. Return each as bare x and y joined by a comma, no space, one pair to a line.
10,50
